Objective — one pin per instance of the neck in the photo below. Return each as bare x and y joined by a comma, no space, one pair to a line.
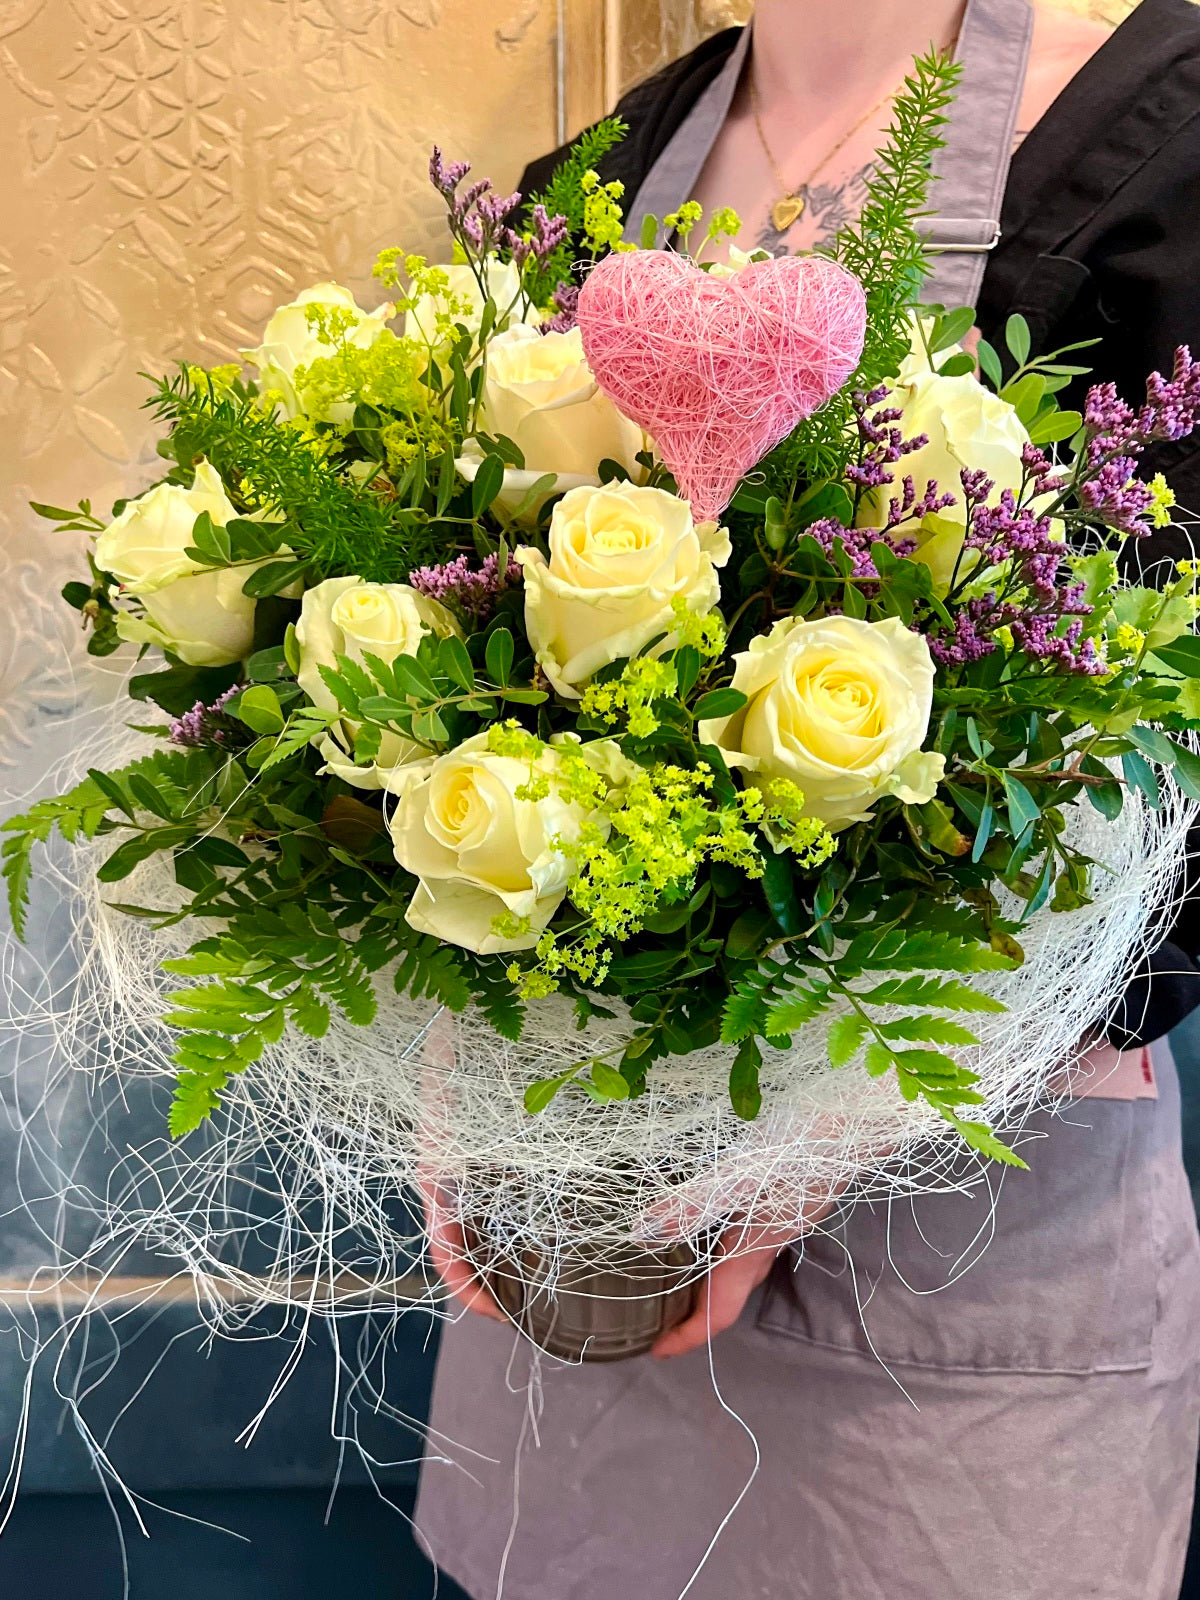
818,52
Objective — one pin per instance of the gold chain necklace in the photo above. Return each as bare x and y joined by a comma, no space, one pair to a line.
792,201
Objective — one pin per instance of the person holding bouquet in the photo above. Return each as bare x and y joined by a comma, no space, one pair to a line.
973,1392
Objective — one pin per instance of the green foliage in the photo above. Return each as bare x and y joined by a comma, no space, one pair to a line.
697,891
79,813
92,599
744,1091
174,786
566,195
434,698
303,921
269,969
332,524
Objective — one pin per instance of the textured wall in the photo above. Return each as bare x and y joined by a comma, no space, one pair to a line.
182,165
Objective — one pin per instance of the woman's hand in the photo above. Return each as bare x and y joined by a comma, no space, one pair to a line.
748,1254
448,1252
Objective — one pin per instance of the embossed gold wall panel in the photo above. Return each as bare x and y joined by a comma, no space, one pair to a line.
174,169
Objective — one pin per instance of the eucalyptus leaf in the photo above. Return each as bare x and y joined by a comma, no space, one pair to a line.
539,1094
952,328
258,707
1023,809
489,480
1017,338
1181,654
744,1091
609,1082
273,577
1052,426
456,663
498,655
718,703
989,363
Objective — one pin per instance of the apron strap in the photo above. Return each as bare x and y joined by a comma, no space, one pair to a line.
675,173
972,166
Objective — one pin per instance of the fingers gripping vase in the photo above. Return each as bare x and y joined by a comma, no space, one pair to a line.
588,1302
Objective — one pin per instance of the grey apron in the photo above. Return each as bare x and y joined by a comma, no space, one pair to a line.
971,168
938,1400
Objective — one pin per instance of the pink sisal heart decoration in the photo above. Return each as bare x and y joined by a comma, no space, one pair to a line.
718,370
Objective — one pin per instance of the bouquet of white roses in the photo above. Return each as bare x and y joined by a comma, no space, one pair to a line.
481,696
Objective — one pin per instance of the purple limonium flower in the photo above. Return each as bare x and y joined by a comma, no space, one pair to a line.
206,725
976,487
1116,497
1172,409
1043,475
1041,635
445,176
883,442
1006,530
471,592
547,234
857,544
1105,414
566,301
905,507
1117,437
971,638
1045,617
481,216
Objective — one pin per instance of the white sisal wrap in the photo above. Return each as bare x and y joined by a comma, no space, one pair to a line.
315,1146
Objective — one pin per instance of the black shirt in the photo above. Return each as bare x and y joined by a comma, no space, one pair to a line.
1100,239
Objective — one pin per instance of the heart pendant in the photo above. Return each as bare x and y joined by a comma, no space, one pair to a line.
784,212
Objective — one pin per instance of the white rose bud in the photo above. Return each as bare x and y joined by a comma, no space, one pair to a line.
738,261
478,849
620,557
838,707
144,547
206,621
966,426
538,391
290,342
199,613
347,617
503,280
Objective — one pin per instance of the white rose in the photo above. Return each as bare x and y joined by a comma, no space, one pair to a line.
538,391
197,612
478,850
503,280
347,617
206,620
619,557
290,342
144,547
966,426
838,707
